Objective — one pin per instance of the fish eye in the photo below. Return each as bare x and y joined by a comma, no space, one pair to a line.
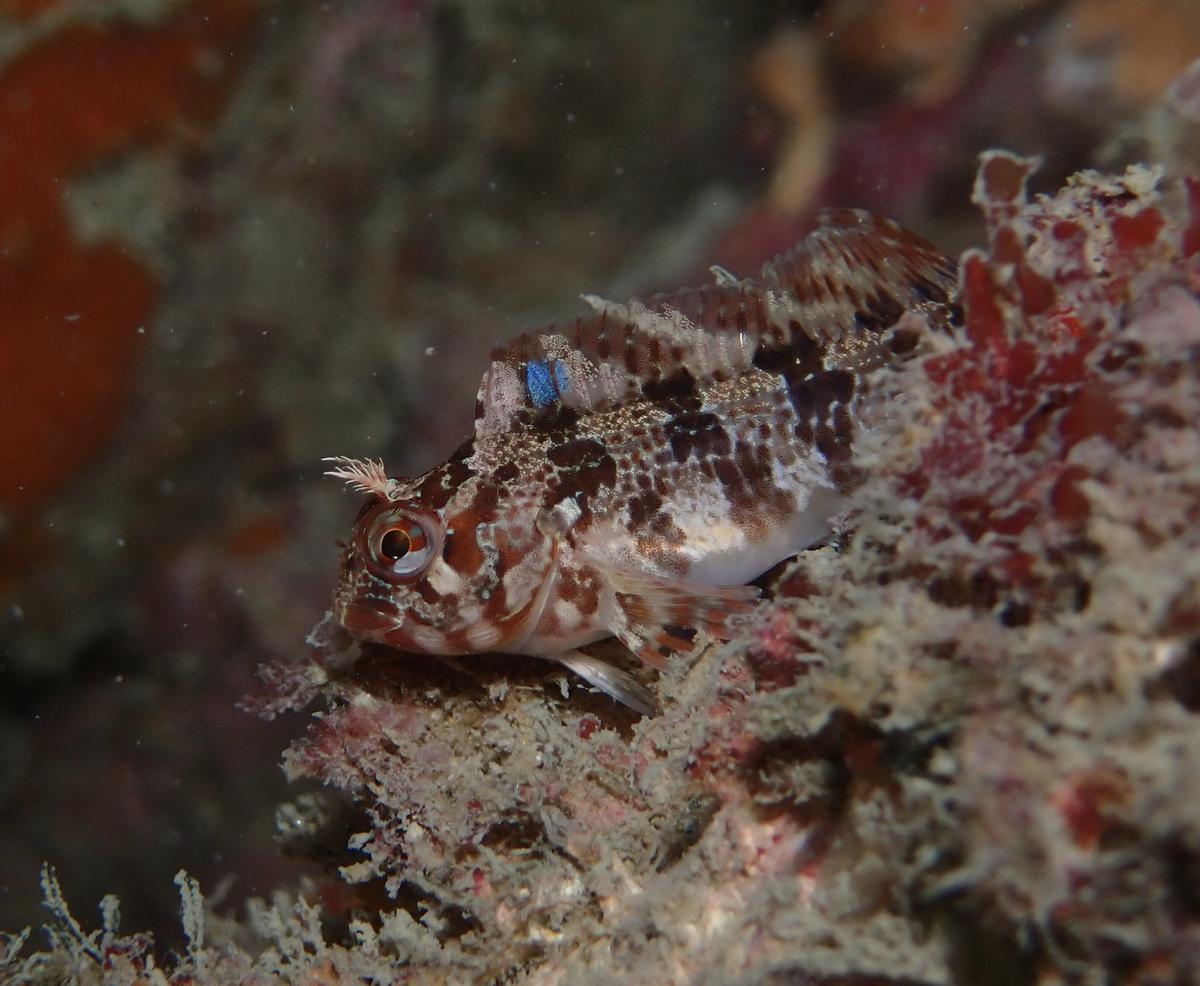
397,546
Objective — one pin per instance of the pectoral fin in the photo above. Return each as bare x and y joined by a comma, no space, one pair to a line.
651,611
612,681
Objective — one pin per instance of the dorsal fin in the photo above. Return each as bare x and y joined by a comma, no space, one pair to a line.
839,289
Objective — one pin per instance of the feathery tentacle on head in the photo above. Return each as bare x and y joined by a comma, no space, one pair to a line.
362,475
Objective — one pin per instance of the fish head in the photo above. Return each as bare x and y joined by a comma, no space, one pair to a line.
443,565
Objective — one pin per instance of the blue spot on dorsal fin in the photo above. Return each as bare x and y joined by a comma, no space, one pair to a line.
539,381
546,381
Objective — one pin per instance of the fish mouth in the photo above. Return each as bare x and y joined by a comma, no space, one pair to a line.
363,613
367,622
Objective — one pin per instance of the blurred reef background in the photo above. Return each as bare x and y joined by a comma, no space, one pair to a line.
962,746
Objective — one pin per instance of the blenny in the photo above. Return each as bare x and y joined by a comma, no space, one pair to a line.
631,470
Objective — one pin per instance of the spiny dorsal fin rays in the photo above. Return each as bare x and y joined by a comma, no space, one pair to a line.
362,475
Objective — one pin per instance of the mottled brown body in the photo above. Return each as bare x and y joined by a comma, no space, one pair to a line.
632,469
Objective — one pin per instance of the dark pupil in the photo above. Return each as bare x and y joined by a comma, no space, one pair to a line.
394,545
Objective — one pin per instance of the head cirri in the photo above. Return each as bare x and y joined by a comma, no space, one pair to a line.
435,566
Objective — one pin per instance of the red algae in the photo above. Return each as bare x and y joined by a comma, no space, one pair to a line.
70,337
1050,514
1191,234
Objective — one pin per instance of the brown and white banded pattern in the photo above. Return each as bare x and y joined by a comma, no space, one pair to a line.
632,469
